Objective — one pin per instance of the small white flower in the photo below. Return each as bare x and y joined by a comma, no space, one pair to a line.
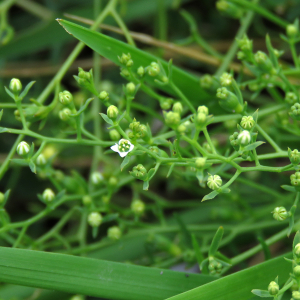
123,147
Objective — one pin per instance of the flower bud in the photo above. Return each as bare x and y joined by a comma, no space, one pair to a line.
138,207
296,271
200,162
48,195
15,86
94,219
41,160
226,79
291,30
153,69
209,83
295,111
295,179
96,178
244,138
166,103
177,107
125,73
2,198
181,128
229,9
247,122
23,148
214,182
130,88
245,44
105,199
291,98
273,288
280,213
64,114
112,112
125,59
294,156
297,250
103,96
113,181
87,200
114,135
172,118
65,97
86,76
263,61
77,297
201,118
114,233
228,100
141,71
139,172
296,295
202,109
214,267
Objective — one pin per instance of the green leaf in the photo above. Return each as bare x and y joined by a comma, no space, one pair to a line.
9,93
253,146
261,293
1,114
107,119
26,89
296,239
216,241
272,54
111,48
125,161
289,188
292,218
32,167
19,161
185,232
198,252
170,170
255,116
210,196
83,107
146,185
98,278
239,285
265,247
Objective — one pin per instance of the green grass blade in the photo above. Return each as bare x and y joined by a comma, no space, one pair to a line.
239,285
79,275
111,48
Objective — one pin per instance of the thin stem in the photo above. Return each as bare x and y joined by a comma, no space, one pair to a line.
209,140
268,138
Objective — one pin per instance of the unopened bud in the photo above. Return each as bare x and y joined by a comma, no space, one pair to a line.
41,160
114,135
94,219
172,118
297,250
200,162
273,288
166,103
296,295
23,148
112,112
64,114
96,178
138,207
177,107
202,109
214,182
153,69
141,71
2,197
130,88
244,137
294,156
291,98
48,195
104,96
87,200
114,233
296,271
226,79
247,122
65,97
15,86
291,30
280,213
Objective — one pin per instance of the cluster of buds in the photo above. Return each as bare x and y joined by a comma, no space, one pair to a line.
137,130
291,98
165,103
240,139
139,172
214,182
246,47
172,119
86,80
294,156
263,62
126,60
201,116
295,111
295,180
229,100
226,79
280,213
229,9
209,83
138,207
214,267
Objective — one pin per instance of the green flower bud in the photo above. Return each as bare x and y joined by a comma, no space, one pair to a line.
125,73
247,122
23,148
240,55
141,71
291,30
263,61
139,172
172,118
174,250
181,128
113,181
228,100
105,199
15,86
96,178
244,138
153,69
294,156
125,59
214,267
280,213
291,98
297,250
177,107
64,114
41,160
87,200
296,271
112,112
86,76
209,83
226,79
114,135
95,219
138,207
166,103
130,88
229,9
296,295
201,119
273,288
48,195
77,297
2,197
200,162
202,109
65,97
214,182
245,44
295,111
103,96
114,233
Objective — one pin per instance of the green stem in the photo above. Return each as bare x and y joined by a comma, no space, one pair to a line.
268,138
209,140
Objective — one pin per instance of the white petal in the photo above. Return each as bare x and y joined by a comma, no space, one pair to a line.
115,147
131,147
123,154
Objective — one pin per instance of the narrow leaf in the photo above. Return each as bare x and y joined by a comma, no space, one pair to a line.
296,239
210,196
26,89
289,188
146,185
253,146
107,119
125,161
198,252
261,293
185,232
265,248
216,241
32,167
